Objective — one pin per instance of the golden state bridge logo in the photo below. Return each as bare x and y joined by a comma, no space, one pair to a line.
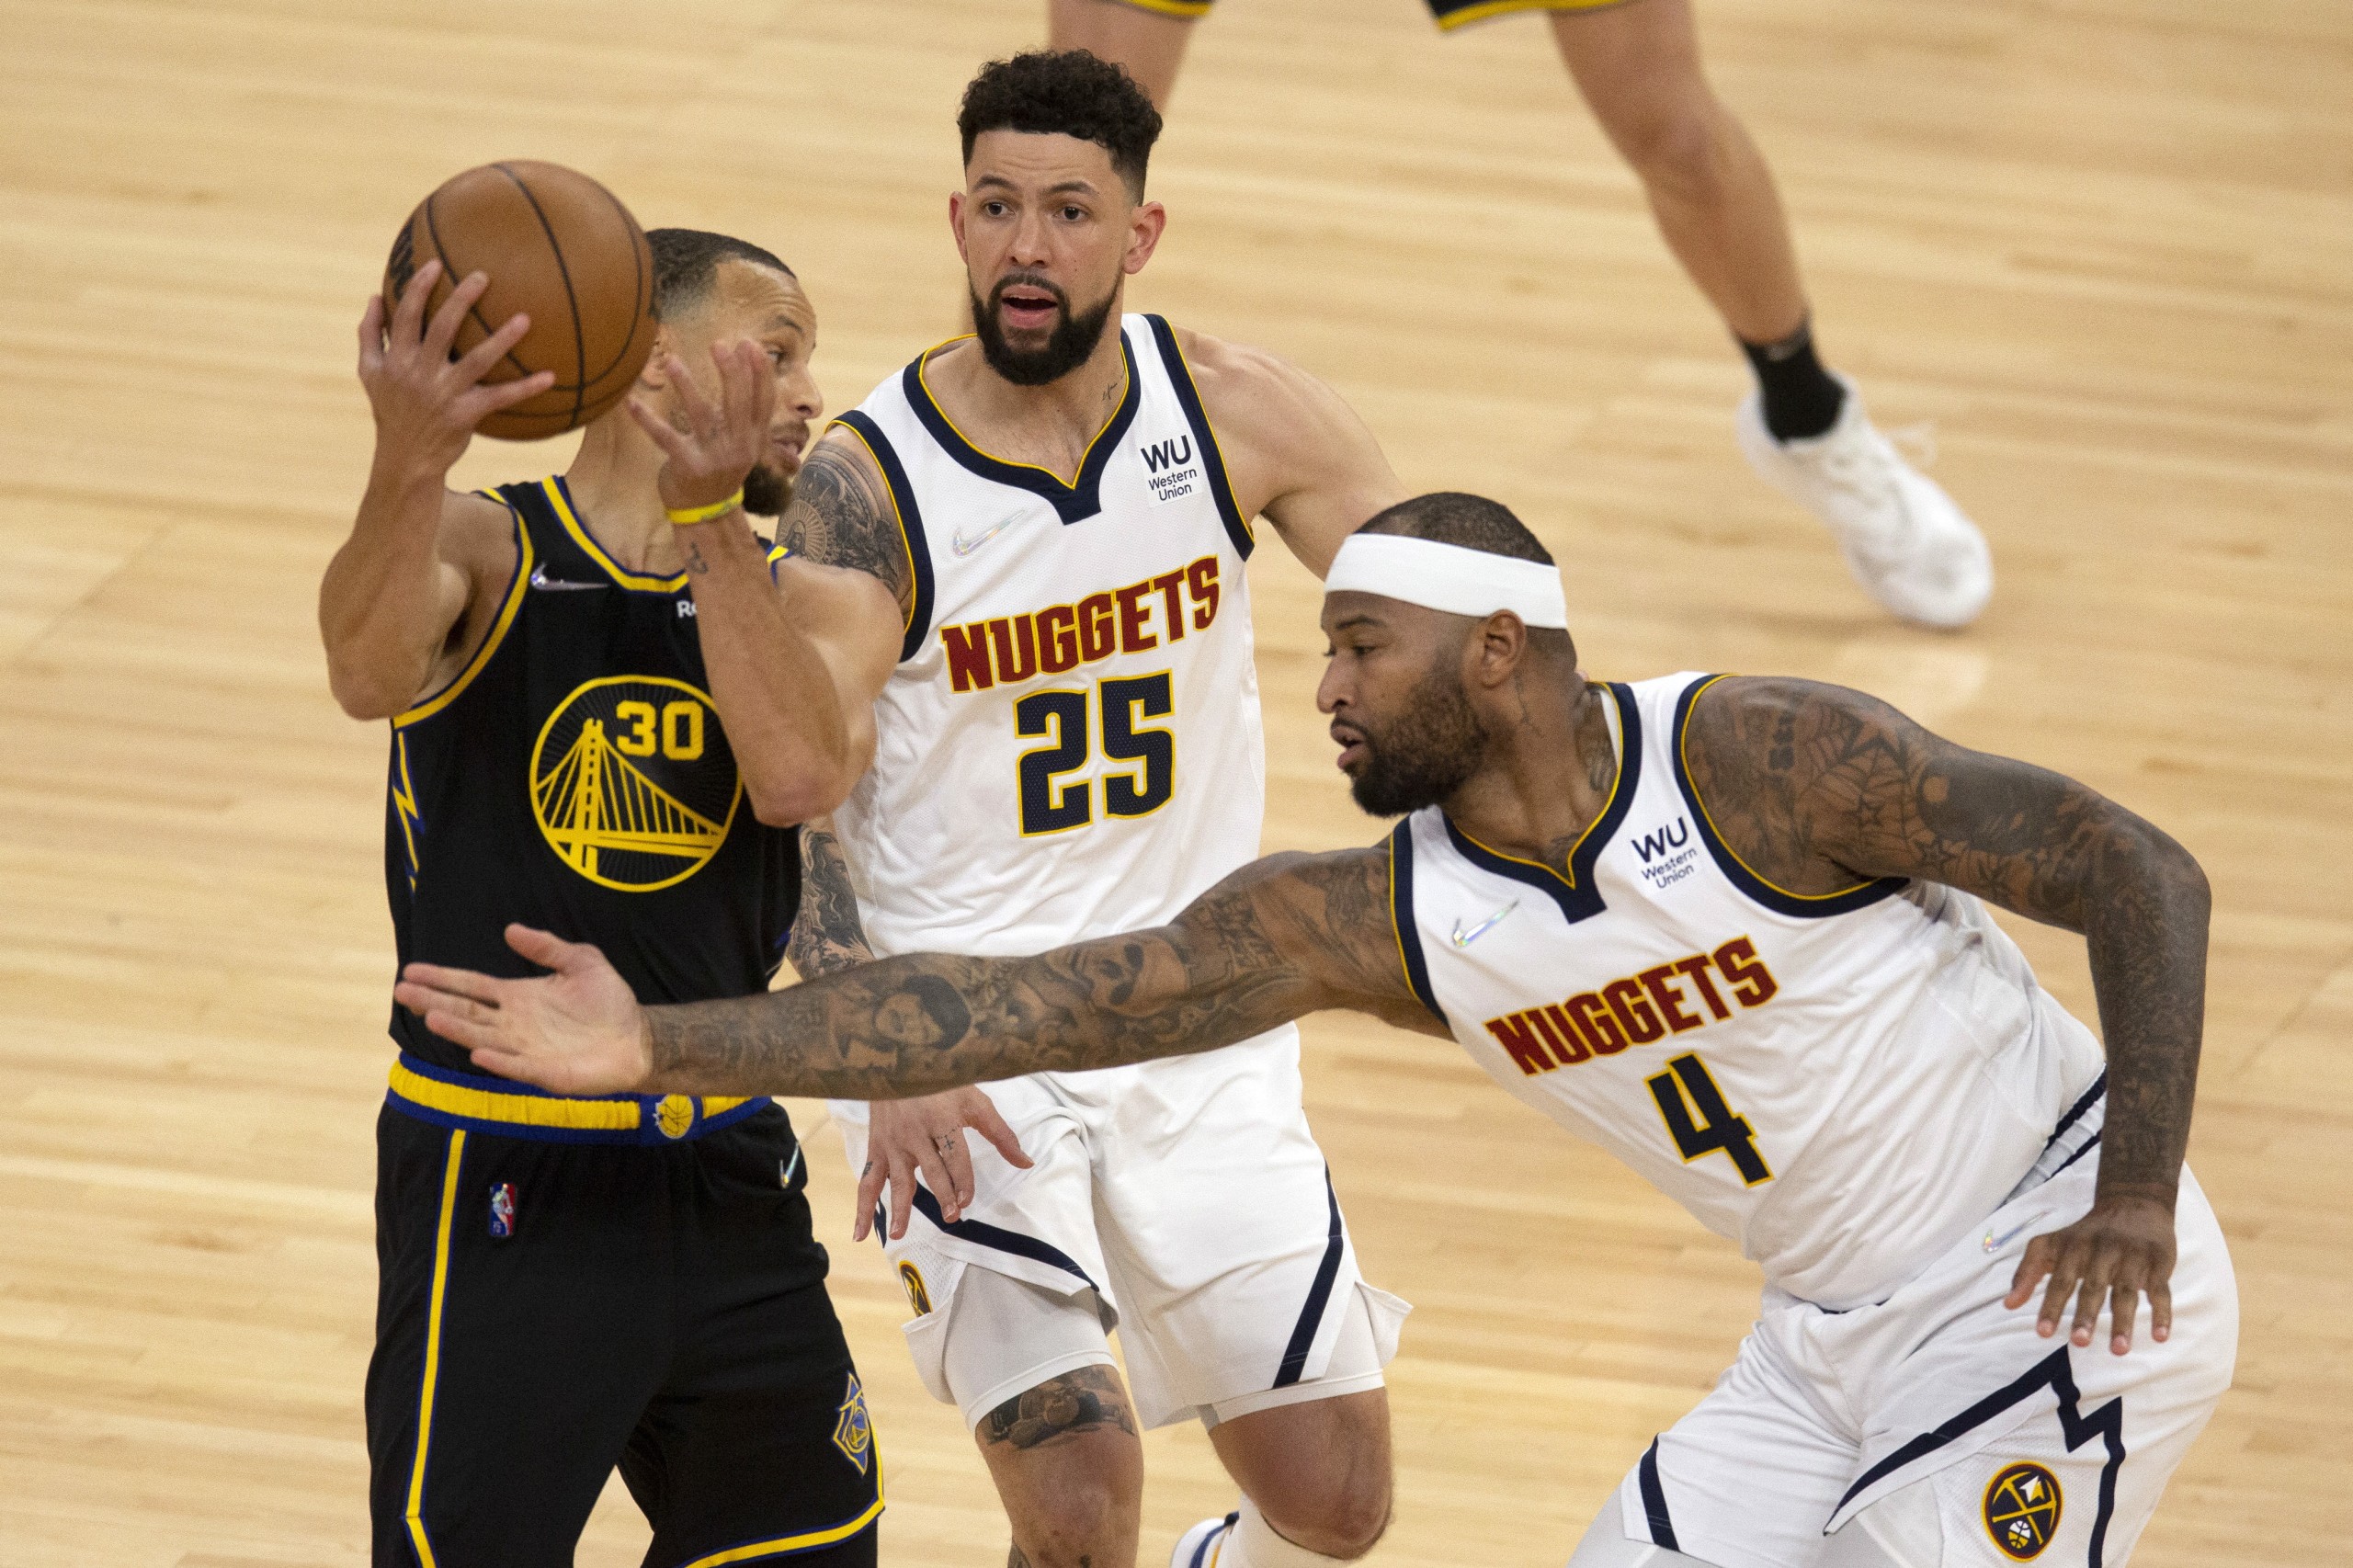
632,782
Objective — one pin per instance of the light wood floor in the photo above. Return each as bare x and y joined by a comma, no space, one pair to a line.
2107,247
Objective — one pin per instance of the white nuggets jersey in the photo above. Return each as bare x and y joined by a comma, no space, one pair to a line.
1843,1084
1070,745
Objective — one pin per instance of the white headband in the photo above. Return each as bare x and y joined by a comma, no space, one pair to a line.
1448,577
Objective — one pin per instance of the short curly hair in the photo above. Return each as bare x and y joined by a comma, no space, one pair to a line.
1070,92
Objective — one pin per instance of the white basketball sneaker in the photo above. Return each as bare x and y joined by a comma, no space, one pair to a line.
1904,541
1198,1548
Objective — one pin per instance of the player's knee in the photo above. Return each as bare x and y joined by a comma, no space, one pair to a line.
1673,141
1346,1520
1084,1507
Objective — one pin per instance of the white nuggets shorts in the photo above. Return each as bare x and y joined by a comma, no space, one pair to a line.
1184,1201
1937,1422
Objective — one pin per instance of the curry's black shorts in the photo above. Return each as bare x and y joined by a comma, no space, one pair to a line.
552,1301
1448,14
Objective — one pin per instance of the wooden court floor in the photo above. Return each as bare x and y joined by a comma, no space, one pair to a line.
2106,245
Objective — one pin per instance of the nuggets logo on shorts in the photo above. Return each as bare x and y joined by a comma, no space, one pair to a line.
854,1432
918,1296
2022,1510
632,782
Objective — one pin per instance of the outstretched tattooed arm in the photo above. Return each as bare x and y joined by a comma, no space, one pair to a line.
1281,938
1816,788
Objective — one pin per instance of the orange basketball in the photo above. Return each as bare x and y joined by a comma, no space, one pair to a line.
558,247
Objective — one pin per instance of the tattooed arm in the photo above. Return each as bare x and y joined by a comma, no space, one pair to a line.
1816,788
828,935
1283,937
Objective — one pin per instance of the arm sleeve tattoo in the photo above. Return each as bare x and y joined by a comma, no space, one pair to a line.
1816,787
828,935
842,515
1281,938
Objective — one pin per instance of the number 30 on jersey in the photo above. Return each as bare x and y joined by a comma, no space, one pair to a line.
1075,724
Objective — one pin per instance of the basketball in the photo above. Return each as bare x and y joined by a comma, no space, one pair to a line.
561,249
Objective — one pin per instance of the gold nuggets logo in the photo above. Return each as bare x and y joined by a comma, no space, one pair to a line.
2022,1510
917,1297
633,783
854,1430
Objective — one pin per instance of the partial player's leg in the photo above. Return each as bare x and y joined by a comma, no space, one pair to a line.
1638,65
515,1342
1010,1328
1147,37
759,1445
1033,1373
1315,1483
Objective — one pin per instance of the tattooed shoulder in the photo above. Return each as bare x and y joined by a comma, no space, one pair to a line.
842,515
1783,768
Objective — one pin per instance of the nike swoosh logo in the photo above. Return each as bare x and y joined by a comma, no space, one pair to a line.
964,546
1464,939
539,579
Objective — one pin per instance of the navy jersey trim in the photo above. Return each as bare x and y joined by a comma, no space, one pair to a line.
1781,901
982,1233
1073,502
2054,1372
1574,891
1654,1500
1402,920
1319,1297
1188,397
911,534
2090,1098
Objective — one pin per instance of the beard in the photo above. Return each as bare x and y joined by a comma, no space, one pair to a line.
1428,753
1067,346
766,492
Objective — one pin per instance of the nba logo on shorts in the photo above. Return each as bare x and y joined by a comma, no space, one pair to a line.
502,1210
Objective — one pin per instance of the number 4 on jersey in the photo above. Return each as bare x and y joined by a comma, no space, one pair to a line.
1717,1127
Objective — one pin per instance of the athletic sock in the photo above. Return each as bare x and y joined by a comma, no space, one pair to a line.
1252,1543
1800,399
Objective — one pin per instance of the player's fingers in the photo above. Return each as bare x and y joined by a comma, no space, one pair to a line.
443,332
551,951
371,337
993,1126
408,312
932,1161
698,408
902,1192
2065,1275
2123,1307
869,1193
959,1161
664,433
455,981
506,1063
476,362
2032,1266
2161,1311
485,401
465,1031
751,394
2088,1300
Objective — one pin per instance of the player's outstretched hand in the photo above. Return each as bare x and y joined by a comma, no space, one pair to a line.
713,448
577,1031
927,1134
426,405
2120,1250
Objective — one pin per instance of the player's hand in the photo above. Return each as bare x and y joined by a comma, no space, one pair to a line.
2123,1248
927,1134
577,1031
712,447
426,405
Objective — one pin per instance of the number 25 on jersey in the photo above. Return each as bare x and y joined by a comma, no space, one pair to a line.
1073,725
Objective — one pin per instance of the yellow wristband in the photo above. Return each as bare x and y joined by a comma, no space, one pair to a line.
693,514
